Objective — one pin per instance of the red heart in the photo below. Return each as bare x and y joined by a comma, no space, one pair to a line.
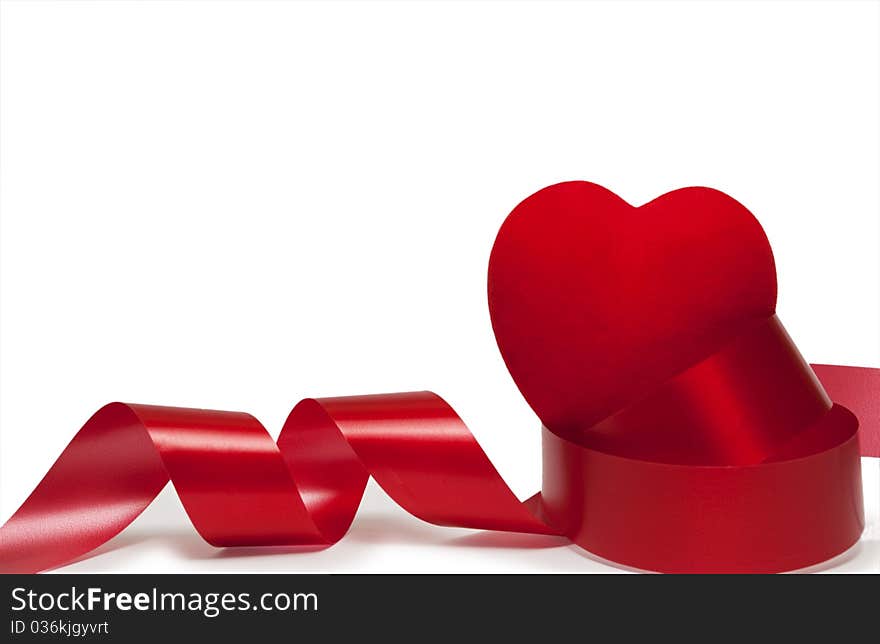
593,301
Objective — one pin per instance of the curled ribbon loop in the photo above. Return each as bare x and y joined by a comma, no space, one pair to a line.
240,488
685,433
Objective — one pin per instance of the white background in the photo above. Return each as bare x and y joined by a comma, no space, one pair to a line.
235,205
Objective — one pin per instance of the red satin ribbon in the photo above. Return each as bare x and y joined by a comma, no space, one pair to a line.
766,477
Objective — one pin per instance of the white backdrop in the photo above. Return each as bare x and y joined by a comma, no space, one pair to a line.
235,205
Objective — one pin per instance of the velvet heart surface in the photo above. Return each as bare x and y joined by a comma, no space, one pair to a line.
595,301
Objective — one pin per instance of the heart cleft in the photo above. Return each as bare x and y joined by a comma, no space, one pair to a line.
683,431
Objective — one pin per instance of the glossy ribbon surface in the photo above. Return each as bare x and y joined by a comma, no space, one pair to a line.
684,431
241,488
